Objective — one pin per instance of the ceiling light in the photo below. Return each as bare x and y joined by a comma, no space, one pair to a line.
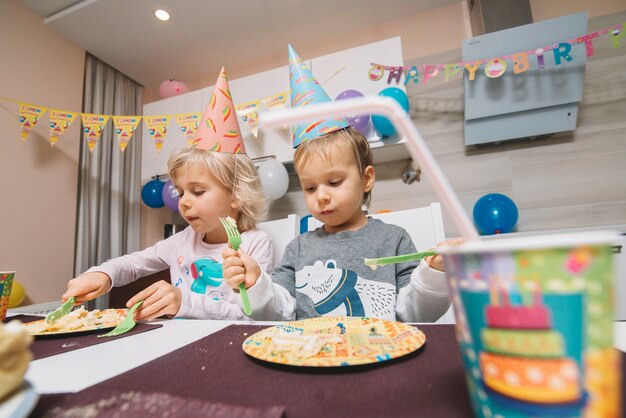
162,15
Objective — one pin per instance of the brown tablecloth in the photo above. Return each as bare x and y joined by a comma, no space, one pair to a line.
50,345
428,383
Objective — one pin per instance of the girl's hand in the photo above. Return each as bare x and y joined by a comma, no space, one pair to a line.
436,261
238,267
87,286
160,298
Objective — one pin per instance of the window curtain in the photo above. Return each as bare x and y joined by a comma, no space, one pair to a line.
109,180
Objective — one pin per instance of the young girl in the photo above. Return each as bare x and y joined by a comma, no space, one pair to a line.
210,185
322,272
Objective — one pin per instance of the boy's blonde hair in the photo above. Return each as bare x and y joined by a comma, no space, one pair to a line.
328,145
236,172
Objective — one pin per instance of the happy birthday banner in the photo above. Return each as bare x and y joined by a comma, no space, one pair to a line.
495,67
126,126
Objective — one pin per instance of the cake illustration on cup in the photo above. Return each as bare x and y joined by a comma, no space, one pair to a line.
524,358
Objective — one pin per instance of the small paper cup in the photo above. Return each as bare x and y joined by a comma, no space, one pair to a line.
6,283
535,324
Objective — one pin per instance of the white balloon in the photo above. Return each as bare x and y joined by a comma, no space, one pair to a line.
274,178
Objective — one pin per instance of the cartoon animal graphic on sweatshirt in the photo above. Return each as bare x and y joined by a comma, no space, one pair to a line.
338,292
206,272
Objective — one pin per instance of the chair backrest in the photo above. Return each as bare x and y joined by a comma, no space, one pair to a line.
282,231
424,225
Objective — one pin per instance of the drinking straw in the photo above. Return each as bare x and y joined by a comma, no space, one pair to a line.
389,108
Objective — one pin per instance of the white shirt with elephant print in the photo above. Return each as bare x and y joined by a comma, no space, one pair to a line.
324,274
195,268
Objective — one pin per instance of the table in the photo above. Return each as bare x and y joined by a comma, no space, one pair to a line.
143,348
432,379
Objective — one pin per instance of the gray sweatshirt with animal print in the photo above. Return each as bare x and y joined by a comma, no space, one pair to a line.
323,274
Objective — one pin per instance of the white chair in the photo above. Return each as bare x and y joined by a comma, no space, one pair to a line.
282,231
425,227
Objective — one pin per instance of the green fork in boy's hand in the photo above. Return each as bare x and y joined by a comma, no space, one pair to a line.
377,262
234,239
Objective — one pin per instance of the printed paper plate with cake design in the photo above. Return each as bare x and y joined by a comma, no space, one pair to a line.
334,341
79,320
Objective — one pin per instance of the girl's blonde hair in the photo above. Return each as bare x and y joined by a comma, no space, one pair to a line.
236,172
333,143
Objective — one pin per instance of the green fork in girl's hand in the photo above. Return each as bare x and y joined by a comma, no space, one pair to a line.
234,239
127,323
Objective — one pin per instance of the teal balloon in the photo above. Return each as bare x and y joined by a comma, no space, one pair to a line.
495,213
382,125
152,194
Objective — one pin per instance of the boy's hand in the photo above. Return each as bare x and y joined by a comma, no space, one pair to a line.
87,286
160,298
239,267
436,261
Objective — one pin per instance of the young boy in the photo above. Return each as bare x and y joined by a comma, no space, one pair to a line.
322,272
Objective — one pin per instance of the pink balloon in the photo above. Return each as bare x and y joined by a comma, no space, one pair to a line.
360,122
171,88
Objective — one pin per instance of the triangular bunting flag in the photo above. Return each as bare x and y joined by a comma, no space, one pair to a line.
249,114
93,125
60,120
29,116
188,123
125,127
157,128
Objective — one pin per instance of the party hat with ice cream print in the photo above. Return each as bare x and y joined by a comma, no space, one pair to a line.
219,130
305,90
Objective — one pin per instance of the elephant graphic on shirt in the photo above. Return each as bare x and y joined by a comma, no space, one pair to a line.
337,292
206,272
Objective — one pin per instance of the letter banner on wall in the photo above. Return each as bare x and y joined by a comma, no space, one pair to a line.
496,66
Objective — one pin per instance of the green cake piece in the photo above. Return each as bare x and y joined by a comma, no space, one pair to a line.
523,343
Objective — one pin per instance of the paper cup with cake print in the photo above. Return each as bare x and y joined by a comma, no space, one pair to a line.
6,283
535,324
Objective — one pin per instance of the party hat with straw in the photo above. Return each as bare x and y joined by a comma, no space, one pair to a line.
219,130
305,90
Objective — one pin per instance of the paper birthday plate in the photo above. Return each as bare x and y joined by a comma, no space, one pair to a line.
78,321
334,341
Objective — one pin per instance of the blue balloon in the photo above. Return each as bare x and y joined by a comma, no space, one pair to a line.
151,193
495,213
382,125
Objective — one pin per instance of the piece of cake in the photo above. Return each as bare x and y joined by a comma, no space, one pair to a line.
14,356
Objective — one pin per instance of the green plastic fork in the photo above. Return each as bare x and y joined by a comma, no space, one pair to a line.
375,262
127,323
234,239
